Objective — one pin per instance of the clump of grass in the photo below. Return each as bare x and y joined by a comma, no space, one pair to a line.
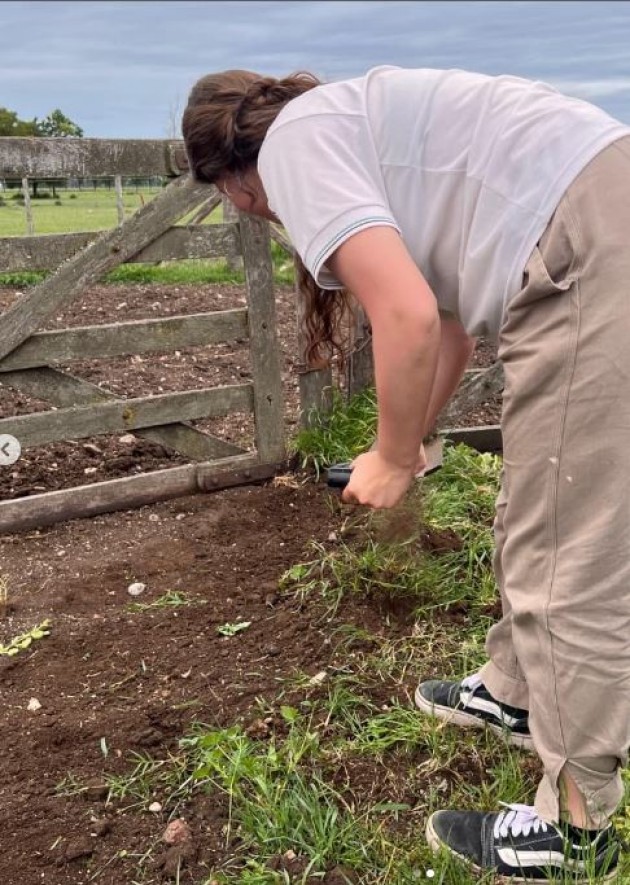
22,277
348,429
183,272
450,511
170,599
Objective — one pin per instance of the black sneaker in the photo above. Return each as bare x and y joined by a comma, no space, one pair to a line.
468,703
518,845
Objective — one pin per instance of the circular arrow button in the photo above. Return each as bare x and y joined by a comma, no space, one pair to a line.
10,449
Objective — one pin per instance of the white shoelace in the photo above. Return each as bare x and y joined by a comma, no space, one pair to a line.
518,820
472,682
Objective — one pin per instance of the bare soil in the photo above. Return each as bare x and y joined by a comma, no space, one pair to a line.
111,681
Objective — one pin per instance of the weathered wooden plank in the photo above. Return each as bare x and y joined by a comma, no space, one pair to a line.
127,415
131,492
264,347
230,216
48,251
136,336
208,241
486,438
42,252
214,476
108,251
65,391
90,500
90,157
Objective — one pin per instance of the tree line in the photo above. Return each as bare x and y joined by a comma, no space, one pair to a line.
55,125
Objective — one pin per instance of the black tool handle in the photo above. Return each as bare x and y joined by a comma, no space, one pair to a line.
338,475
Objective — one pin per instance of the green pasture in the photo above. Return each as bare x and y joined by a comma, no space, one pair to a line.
91,210
70,212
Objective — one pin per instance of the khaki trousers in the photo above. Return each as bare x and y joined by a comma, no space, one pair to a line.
562,648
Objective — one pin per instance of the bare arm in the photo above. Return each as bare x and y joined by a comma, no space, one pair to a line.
456,349
375,265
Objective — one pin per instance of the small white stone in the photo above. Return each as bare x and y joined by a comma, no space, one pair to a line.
33,705
136,589
127,439
318,678
155,807
153,517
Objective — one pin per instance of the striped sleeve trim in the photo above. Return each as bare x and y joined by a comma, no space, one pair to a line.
343,234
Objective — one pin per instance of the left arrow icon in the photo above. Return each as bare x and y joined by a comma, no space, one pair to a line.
10,449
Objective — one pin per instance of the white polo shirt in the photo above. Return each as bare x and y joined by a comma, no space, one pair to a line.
468,168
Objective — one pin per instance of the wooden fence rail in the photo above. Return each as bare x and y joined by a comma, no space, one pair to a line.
29,357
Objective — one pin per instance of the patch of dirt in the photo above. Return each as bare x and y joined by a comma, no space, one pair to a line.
110,681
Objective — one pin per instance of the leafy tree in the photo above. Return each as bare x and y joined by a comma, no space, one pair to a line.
10,124
57,125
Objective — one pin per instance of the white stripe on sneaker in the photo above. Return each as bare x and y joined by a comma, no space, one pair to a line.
525,859
471,702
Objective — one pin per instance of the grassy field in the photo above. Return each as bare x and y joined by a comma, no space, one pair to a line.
96,210
72,211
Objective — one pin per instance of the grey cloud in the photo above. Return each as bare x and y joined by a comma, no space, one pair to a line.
119,67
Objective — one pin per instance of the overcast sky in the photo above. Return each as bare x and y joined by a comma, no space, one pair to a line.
124,68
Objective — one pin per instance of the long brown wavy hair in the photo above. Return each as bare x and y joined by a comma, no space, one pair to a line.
224,125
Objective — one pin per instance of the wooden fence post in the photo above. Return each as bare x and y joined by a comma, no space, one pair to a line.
264,346
230,214
28,209
120,206
360,367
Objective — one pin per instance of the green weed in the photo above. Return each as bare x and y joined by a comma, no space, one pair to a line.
170,599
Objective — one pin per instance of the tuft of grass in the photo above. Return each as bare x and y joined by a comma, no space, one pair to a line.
439,554
348,429
170,599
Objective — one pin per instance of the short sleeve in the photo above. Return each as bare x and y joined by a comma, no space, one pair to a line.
323,181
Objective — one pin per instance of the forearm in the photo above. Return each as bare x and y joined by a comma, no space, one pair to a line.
456,349
406,353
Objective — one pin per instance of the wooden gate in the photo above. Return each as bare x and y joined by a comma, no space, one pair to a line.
28,356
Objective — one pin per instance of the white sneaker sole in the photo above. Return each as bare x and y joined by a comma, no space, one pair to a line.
436,845
468,720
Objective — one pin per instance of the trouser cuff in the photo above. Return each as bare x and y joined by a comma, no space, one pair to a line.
504,688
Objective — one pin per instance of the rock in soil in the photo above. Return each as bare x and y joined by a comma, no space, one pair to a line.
177,832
